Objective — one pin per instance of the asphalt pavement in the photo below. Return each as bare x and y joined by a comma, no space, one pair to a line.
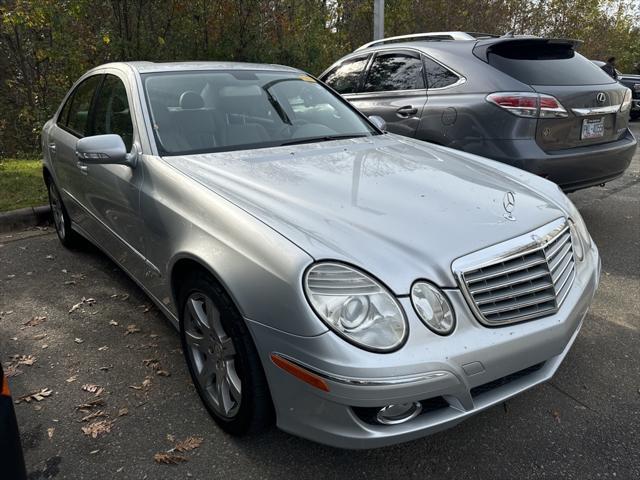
583,424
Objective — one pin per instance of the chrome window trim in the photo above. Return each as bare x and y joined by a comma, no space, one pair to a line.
528,243
461,78
585,112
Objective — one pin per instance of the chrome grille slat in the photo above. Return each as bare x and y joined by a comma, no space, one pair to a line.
525,283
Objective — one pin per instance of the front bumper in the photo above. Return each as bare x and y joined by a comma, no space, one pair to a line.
468,371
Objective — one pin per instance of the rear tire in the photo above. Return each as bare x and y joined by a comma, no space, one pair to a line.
61,219
222,359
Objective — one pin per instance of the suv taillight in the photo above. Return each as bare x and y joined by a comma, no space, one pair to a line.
528,105
626,102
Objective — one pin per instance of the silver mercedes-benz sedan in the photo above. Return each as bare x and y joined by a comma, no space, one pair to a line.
360,287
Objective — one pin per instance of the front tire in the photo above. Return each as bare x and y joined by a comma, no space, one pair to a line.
222,359
61,219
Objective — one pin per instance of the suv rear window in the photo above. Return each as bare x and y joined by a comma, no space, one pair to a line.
545,64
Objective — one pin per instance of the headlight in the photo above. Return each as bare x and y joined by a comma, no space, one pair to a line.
356,306
433,308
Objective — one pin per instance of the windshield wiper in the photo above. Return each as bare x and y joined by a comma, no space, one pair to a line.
324,138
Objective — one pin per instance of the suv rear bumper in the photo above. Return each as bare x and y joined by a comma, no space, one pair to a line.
572,169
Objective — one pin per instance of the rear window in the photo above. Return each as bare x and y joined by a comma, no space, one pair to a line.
545,64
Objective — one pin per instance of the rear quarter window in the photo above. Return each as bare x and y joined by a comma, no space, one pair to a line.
545,64
345,78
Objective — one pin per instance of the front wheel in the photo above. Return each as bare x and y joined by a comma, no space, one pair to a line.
222,358
61,219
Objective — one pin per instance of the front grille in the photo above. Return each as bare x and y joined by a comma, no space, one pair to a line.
528,284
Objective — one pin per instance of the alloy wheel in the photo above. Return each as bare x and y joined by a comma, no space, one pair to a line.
56,210
212,355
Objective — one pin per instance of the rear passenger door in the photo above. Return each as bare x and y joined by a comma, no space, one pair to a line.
72,124
394,88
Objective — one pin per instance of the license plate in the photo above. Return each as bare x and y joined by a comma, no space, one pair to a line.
592,128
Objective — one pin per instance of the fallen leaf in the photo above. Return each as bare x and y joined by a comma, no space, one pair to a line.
84,301
72,379
103,348
169,458
123,411
50,432
85,407
113,322
45,345
78,340
49,257
39,336
23,359
37,320
131,329
93,452
91,388
64,270
94,430
163,373
556,415
171,438
146,383
188,444
38,396
12,370
99,413
70,282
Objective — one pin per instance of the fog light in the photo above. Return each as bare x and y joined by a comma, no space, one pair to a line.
399,413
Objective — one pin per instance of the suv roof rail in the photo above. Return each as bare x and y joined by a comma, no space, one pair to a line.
430,36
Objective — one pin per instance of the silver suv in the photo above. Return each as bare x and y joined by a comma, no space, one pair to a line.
531,102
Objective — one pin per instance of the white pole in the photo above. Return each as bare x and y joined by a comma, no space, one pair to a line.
378,19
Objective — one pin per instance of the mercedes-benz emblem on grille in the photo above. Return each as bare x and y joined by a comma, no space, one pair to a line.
509,203
601,97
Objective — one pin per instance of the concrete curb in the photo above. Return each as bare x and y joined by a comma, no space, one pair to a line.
25,217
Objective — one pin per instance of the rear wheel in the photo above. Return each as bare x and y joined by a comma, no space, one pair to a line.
61,219
222,358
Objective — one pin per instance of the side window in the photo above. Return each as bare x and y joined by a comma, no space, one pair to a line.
394,71
111,111
439,76
64,113
346,76
81,104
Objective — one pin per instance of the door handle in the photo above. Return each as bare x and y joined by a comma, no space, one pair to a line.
406,111
52,147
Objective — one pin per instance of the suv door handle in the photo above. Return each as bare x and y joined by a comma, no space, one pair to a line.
406,111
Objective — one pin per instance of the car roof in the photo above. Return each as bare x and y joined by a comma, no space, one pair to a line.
153,67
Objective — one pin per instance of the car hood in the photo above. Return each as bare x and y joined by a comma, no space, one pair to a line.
396,207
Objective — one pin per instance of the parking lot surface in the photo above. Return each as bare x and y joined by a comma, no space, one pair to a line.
583,424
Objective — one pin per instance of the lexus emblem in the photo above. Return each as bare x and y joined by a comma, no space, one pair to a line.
601,97
509,203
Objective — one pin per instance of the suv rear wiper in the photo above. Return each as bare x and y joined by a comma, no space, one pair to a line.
324,138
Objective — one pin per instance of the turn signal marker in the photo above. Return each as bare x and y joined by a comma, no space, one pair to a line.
300,373
4,392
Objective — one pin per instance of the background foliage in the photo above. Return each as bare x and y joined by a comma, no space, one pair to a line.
46,44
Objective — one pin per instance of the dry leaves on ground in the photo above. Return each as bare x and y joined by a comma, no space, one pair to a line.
86,407
188,444
91,388
131,329
91,416
169,458
23,359
50,432
146,383
37,320
155,366
38,396
94,430
84,301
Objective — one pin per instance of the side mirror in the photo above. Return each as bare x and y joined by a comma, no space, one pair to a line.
104,149
378,122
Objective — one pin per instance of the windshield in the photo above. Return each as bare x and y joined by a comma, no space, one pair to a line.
197,112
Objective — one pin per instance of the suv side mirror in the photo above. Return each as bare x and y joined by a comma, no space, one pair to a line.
104,149
378,122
